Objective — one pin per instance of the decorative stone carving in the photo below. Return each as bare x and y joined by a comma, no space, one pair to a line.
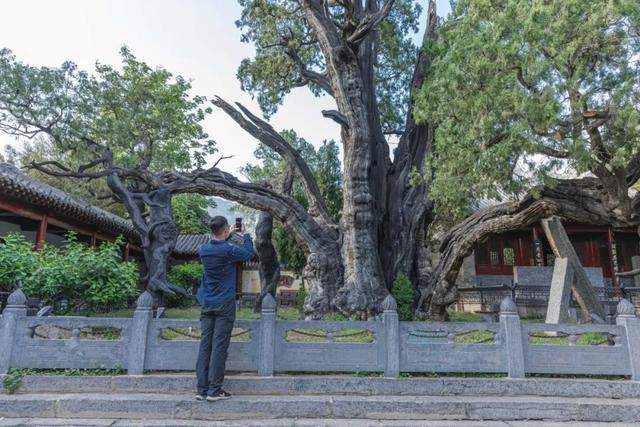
625,308
17,299
268,302
145,301
389,303
508,306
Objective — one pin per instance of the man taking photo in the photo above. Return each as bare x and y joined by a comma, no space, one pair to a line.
217,296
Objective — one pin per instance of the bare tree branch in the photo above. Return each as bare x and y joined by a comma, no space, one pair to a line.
370,22
320,79
265,133
336,116
286,209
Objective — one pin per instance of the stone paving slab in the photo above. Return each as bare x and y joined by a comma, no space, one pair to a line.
166,406
309,422
339,385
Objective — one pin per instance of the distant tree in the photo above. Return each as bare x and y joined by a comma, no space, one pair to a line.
190,213
136,127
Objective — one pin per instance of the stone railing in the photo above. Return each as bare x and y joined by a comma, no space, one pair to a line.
268,345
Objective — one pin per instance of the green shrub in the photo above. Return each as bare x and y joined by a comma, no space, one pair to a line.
404,294
187,276
300,297
12,380
89,278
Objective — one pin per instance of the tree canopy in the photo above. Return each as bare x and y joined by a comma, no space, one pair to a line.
524,91
145,117
288,54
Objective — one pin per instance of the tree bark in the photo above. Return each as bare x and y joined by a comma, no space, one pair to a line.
158,234
268,267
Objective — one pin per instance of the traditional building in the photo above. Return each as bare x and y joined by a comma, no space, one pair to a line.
596,246
44,213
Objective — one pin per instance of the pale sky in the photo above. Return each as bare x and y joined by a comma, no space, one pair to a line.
197,39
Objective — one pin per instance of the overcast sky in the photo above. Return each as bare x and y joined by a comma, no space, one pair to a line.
194,38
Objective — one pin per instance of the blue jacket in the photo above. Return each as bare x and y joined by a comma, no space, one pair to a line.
218,284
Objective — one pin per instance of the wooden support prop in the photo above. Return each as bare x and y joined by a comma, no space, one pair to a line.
582,290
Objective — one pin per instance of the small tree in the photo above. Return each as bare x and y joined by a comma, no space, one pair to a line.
404,293
127,126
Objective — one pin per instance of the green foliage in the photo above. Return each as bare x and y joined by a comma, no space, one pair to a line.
513,87
93,278
12,381
324,163
404,294
300,297
280,33
144,116
190,213
187,276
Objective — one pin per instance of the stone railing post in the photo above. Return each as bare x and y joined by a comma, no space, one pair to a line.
512,333
391,337
626,316
139,333
15,311
266,348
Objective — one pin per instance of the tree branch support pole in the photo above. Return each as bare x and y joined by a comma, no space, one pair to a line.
560,292
582,289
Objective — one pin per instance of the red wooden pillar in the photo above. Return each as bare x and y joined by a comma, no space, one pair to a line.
41,234
125,253
613,260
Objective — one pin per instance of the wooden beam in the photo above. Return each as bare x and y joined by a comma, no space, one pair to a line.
582,289
125,253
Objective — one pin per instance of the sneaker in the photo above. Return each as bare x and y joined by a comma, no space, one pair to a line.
221,395
201,396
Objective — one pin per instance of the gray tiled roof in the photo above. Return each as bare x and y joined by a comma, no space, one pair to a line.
16,185
188,244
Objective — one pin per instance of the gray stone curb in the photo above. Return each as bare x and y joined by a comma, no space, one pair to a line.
153,406
338,385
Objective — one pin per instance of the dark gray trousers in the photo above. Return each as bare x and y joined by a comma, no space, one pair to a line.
216,325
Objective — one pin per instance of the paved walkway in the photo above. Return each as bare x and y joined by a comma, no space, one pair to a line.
44,422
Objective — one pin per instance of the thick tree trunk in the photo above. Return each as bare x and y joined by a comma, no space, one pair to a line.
158,234
352,87
269,267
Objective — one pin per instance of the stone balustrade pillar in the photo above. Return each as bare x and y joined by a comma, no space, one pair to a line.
266,348
391,337
512,334
626,317
139,334
14,312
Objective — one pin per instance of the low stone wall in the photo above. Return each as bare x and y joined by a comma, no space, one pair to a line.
267,345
